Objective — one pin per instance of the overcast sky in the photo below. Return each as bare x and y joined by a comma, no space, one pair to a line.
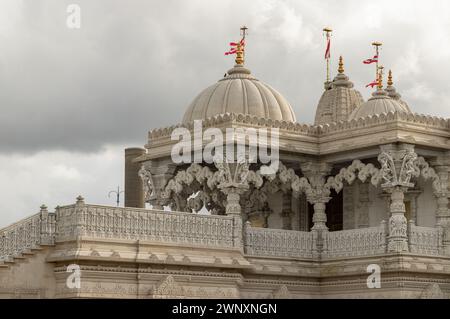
72,99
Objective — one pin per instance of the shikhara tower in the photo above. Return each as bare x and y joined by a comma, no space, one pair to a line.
366,184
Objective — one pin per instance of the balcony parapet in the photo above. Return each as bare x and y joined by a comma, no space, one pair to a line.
105,222
355,242
27,234
279,242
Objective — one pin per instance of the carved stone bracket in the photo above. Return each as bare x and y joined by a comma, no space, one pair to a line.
230,179
155,176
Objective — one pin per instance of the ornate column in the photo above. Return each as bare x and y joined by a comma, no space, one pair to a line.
398,239
412,195
286,211
302,213
319,195
233,180
233,193
441,192
397,168
155,175
348,218
364,203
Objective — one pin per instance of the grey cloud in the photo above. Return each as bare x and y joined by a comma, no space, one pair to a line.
136,65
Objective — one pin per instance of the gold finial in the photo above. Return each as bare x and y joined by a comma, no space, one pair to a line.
239,54
341,65
389,82
380,78
377,44
240,47
327,30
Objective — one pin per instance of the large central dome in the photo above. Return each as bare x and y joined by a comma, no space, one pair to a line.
239,92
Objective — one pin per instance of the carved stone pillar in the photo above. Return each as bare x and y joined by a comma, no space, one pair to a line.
320,217
397,168
299,217
233,206
233,180
441,193
319,194
397,240
286,211
364,203
412,195
348,207
155,175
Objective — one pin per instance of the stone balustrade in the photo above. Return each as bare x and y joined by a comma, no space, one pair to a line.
424,240
70,223
104,222
278,242
355,242
27,234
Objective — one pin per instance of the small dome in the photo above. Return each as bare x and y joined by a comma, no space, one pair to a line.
338,100
378,104
239,92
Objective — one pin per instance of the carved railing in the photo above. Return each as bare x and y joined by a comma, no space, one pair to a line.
424,240
27,234
278,242
355,242
140,224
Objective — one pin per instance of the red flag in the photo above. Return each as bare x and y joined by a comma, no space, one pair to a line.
233,44
371,60
327,51
372,84
233,49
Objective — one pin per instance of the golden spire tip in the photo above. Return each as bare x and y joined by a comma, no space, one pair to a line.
240,47
380,78
390,82
341,65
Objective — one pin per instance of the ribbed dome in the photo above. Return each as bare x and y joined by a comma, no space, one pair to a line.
337,101
379,103
239,92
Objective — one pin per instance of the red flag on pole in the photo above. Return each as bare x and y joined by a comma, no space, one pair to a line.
372,84
371,60
327,51
233,49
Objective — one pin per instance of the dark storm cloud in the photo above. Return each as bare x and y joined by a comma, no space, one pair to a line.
136,65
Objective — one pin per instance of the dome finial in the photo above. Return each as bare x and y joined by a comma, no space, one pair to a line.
390,82
240,47
380,78
341,65
239,54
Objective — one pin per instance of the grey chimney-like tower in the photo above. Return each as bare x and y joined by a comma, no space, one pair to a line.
134,189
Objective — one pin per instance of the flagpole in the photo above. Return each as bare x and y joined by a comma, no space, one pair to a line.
328,34
377,45
243,33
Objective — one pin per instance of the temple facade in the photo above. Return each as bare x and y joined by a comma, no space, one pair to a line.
357,207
